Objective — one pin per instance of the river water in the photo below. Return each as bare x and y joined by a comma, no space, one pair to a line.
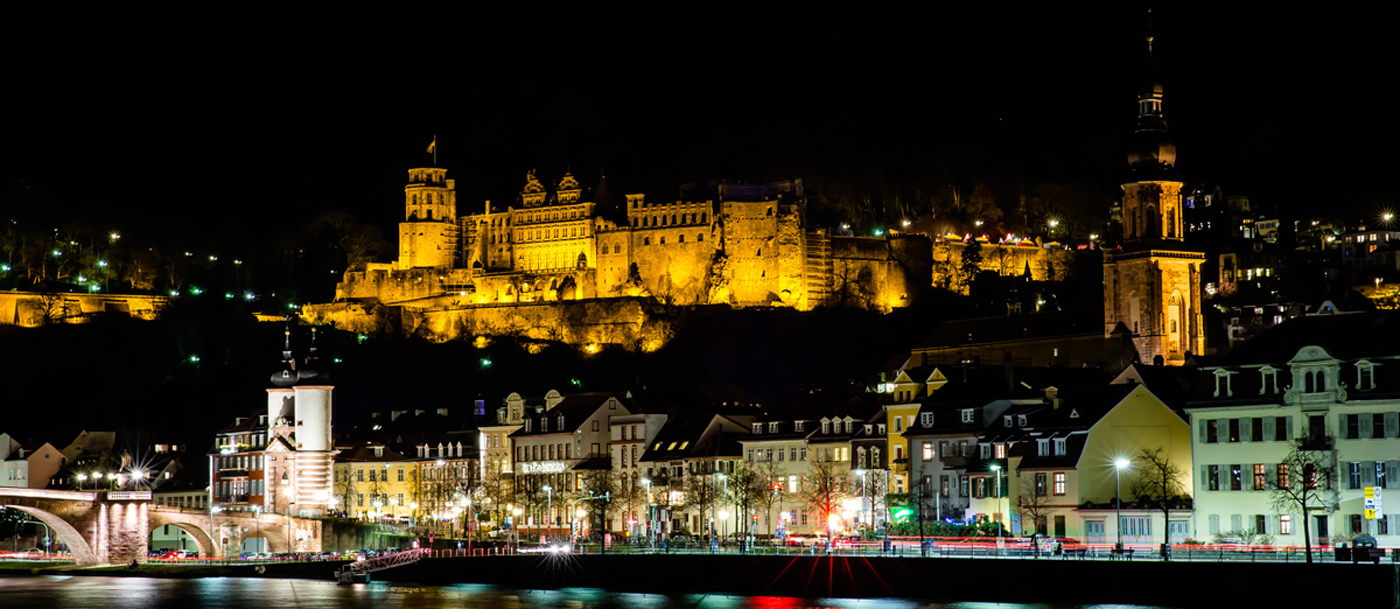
149,593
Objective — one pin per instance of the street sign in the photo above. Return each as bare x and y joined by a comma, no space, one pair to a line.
1372,502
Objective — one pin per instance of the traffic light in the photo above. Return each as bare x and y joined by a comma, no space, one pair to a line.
777,486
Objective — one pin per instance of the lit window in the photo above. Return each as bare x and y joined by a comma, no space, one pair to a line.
1059,483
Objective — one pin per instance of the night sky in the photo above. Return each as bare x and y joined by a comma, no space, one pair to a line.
213,121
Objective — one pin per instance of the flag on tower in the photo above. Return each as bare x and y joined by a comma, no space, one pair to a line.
433,146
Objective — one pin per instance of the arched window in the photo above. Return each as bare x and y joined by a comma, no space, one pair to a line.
700,238
680,239
646,240
617,249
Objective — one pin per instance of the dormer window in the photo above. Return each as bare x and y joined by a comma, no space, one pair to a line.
799,425
561,422
773,427
1222,384
544,424
379,451
1042,447
1268,380
926,419
1365,375
880,429
758,428
1006,421
1020,420
875,456
826,426
869,428
850,426
986,451
1000,448
527,425
1060,449
967,415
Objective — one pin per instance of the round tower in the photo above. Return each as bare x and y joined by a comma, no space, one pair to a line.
428,233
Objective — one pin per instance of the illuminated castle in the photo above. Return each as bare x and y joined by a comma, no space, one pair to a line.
1153,284
741,245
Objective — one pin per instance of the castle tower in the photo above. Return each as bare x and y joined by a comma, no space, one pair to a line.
1153,284
428,233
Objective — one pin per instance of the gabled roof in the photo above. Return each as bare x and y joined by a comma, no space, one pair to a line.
696,435
576,409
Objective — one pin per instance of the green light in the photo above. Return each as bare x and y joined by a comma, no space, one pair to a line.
879,232
485,362
196,291
102,263
228,295
576,382
5,267
337,360
361,338
194,359
174,292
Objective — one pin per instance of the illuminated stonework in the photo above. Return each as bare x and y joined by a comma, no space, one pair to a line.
1153,284
502,271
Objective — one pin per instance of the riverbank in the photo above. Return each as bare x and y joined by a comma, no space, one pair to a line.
1054,581
322,570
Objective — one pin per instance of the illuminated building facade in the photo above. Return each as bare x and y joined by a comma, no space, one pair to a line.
1153,284
279,459
737,244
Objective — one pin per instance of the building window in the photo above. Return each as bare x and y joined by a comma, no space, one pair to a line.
926,419
967,415
1261,477
1257,429
1040,485
773,427
1042,447
1060,449
1212,431
1356,524
1059,483
1282,477
1280,429
1234,430
401,479
1236,477
799,425
359,475
1380,474
1353,426
758,428
1354,474
804,453
1285,525
1213,479
1000,450
928,451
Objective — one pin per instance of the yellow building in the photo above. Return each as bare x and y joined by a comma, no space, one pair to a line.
1058,466
910,389
374,482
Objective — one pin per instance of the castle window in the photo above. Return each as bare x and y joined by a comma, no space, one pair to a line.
663,240
617,249
702,217
680,239
700,238
646,240
673,218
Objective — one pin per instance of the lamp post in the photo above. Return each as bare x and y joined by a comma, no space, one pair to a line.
1118,467
516,513
213,532
647,483
549,530
996,467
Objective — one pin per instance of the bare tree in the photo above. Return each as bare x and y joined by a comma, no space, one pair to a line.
824,489
1033,502
1306,480
1162,481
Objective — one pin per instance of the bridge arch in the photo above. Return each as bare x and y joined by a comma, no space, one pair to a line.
83,553
196,532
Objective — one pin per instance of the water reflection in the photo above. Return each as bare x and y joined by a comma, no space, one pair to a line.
148,593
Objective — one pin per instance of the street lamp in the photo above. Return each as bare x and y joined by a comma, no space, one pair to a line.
1118,467
647,483
996,467
549,490
516,513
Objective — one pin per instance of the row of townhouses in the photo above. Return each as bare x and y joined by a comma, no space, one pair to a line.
1063,452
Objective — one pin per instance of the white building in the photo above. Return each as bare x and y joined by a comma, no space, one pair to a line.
1339,395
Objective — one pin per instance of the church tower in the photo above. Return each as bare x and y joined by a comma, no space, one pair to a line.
1152,284
428,233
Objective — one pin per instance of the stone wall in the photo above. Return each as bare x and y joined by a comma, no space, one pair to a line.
32,309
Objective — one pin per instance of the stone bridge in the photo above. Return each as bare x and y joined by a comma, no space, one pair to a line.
114,527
